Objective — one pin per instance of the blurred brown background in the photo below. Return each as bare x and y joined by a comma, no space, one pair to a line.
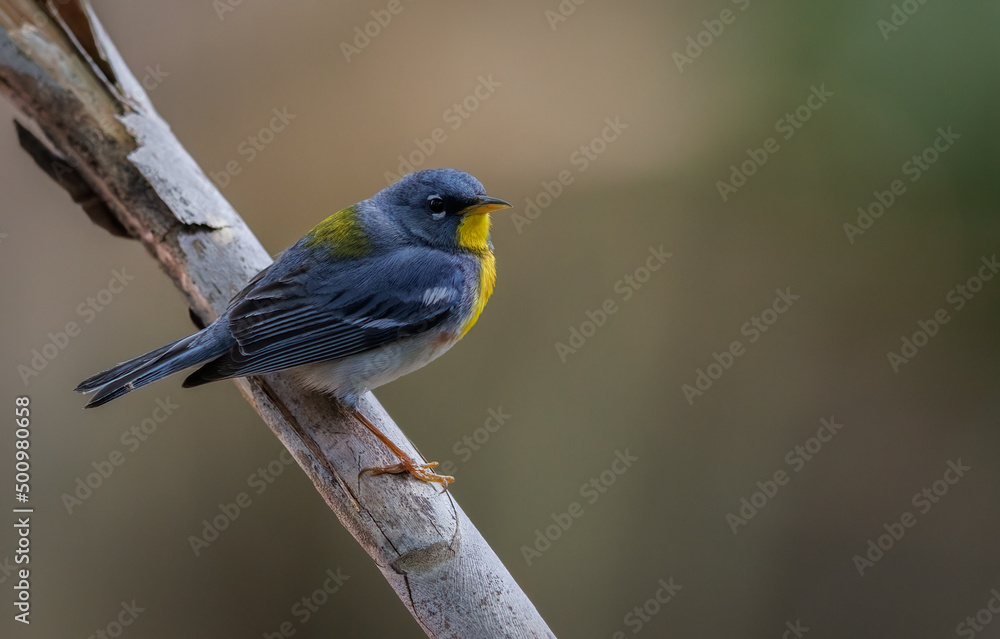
792,565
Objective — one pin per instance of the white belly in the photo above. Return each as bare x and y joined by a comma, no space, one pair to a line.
350,377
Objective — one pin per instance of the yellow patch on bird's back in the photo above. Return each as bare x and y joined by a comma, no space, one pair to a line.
474,236
342,233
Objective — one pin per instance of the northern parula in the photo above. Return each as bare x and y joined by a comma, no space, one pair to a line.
375,291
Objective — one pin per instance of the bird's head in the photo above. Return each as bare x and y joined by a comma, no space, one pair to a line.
446,208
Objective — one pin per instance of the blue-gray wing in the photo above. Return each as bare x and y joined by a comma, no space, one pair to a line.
295,313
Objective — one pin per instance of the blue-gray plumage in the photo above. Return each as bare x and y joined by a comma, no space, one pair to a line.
375,291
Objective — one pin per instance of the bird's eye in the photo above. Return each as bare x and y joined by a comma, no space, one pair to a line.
435,204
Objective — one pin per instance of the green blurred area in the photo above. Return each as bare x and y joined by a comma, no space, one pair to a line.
655,185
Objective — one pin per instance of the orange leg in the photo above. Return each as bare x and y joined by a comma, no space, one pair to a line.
406,463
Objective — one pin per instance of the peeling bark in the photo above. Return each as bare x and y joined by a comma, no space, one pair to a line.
91,127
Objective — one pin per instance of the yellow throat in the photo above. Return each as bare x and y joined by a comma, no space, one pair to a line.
473,235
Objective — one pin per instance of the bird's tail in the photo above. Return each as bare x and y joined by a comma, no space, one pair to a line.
154,365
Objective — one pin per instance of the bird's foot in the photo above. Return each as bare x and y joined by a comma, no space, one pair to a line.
406,464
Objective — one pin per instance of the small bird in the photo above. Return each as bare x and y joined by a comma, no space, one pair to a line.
375,291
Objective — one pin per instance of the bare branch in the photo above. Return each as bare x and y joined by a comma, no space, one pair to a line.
93,129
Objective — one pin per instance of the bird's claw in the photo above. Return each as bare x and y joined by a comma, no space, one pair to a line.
418,471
